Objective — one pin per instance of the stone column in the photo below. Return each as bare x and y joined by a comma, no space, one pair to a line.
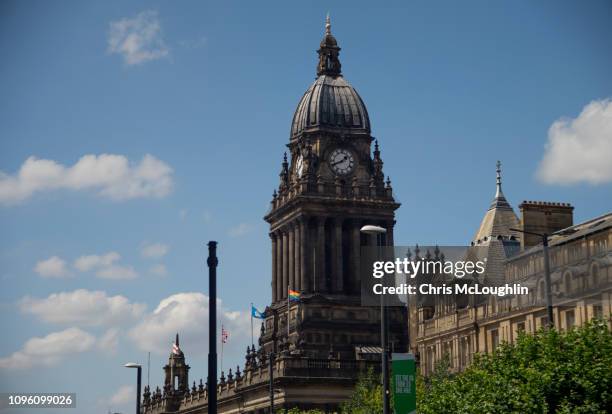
304,271
285,264
356,256
279,265
274,280
291,257
338,282
297,280
319,259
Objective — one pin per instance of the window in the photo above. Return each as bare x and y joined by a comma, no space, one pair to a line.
597,311
465,352
520,327
494,339
570,319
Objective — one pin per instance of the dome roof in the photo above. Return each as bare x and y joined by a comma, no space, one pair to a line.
333,103
330,102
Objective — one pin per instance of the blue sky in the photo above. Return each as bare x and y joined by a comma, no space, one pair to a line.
196,110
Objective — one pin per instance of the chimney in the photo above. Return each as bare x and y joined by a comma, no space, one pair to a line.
543,217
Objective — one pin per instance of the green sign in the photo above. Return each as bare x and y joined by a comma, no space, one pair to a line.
403,383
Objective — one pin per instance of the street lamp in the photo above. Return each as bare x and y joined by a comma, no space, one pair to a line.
547,282
138,381
378,232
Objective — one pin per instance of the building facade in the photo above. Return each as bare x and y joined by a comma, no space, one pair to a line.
581,275
331,184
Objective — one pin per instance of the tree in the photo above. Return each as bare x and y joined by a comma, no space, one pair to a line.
367,397
549,372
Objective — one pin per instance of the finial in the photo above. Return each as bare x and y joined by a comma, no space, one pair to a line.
177,340
375,145
285,157
498,191
327,24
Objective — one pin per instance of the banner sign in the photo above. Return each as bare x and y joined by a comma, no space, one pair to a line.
403,383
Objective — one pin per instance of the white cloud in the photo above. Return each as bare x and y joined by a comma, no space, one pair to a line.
187,314
92,261
159,270
117,273
112,176
240,230
124,395
109,342
83,308
580,149
52,267
105,266
49,350
138,39
154,251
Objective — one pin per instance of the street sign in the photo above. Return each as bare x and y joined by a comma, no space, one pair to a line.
403,383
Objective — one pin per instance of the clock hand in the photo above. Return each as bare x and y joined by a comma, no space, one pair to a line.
338,162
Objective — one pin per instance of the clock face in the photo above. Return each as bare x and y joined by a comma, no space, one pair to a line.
342,161
299,166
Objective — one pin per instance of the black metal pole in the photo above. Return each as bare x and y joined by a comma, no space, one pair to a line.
547,282
212,327
271,373
384,339
138,385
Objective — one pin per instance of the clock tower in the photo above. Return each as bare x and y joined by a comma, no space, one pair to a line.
331,184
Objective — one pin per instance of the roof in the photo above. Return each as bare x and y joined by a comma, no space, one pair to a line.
330,102
498,220
495,235
577,231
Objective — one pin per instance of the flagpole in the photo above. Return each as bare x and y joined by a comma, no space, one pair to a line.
288,308
148,369
222,342
252,340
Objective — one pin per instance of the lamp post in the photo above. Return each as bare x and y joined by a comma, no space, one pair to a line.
138,382
547,282
378,232
212,263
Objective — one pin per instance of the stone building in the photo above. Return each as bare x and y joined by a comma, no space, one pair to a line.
580,259
331,184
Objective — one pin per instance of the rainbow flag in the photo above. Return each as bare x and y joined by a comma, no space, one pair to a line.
294,296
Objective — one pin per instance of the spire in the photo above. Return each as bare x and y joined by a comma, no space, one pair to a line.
500,217
177,340
500,200
498,192
329,64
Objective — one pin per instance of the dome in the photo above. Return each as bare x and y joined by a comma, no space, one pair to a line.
330,102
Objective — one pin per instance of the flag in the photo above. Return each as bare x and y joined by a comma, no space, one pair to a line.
224,335
257,314
175,348
294,296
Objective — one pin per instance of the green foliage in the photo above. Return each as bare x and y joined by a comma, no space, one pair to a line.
296,410
367,397
549,372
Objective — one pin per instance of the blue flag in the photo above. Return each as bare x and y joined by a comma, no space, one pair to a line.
257,314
